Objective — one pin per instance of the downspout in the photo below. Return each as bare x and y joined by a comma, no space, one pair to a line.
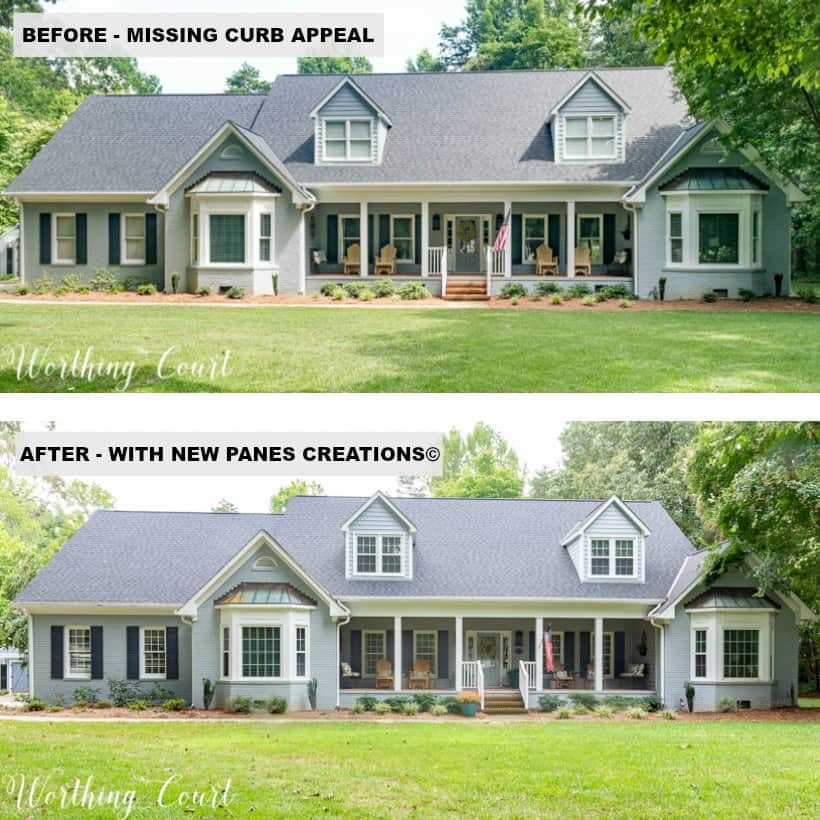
631,208
662,659
304,211
162,208
339,624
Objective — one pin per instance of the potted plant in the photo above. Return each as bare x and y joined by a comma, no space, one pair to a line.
468,702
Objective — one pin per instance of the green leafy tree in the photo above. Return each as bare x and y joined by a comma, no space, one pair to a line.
224,506
424,61
279,500
246,80
9,7
334,65
614,42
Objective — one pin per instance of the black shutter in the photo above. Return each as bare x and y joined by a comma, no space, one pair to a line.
407,650
333,248
132,652
355,659
609,238
391,644
568,650
620,653
113,239
516,239
584,659
384,230
554,233
371,239
172,652
150,239
532,646
4,681
417,249
45,240
57,653
443,659
81,237
96,653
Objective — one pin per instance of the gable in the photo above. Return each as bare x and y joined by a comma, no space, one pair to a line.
347,102
378,517
590,98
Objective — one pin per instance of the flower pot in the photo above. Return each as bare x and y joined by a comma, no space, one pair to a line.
469,709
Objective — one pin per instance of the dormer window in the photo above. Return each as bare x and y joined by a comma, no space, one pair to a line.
379,554
589,137
612,558
348,140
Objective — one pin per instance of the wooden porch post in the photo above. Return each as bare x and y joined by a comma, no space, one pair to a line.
302,253
363,239
539,655
508,246
459,650
425,238
571,238
397,661
599,654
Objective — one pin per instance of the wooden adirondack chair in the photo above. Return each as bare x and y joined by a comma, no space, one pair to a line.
583,265
545,262
386,261
384,674
419,676
353,260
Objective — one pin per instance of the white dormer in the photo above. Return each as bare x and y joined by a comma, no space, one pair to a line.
379,541
588,123
349,127
609,544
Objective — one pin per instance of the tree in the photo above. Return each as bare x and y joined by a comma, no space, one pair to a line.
334,65
424,62
615,42
635,460
246,80
279,500
224,506
9,7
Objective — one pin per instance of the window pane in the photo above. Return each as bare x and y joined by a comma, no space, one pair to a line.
335,149
366,553
360,130
65,249
226,652
603,127
675,224
576,127
261,651
600,557
153,645
264,250
718,238
557,640
134,249
301,651
676,251
373,651
335,130
360,149
607,655
402,227
426,649
350,232
603,146
740,653
79,652
66,226
227,237
391,553
576,147
134,227
589,227
264,224
624,557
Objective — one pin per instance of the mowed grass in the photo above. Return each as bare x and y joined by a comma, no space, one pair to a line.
344,769
331,349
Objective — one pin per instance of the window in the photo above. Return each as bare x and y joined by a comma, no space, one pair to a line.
348,140
718,238
600,556
606,655
391,553
624,557
675,237
79,652
65,238
195,238
226,651
589,137
590,232
402,232
365,553
265,228
133,239
534,235
261,652
755,237
424,649
153,653
740,653
348,233
700,653
373,646
301,651
227,240
558,647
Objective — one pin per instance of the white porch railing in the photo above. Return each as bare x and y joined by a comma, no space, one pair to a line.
444,266
435,257
495,262
472,677
530,667
524,682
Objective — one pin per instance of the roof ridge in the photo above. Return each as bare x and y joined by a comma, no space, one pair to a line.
481,71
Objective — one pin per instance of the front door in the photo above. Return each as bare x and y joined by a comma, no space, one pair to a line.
468,244
489,653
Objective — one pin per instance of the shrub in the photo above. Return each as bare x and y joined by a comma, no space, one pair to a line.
709,296
3,692
556,299
634,713
585,699
138,705
604,712
662,288
424,700
158,693
34,705
617,291
588,301
203,290
208,692
44,284
83,289
578,290
384,287
354,289
313,688
651,703
357,708
72,282
563,714
727,705
86,693
241,704
124,692
745,294
624,303
275,283
81,704
535,297
382,709
131,282
55,708
277,705
616,702
147,289
338,295
413,290
367,295
61,291
807,293
512,289
514,300
175,705
175,281
368,702
397,703
549,703
579,710
329,288
668,714
105,280
438,710
600,295
410,709
546,288
22,290
235,292
452,706
102,704
468,696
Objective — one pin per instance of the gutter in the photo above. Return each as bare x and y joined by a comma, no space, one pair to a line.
662,659
344,621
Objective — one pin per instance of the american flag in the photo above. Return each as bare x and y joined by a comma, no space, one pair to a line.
548,649
503,233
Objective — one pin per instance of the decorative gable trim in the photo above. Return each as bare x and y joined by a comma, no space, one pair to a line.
347,80
582,526
590,76
380,496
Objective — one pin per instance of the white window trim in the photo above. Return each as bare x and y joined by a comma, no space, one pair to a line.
590,155
756,210
152,676
55,258
67,673
225,629
341,234
379,573
669,213
600,218
124,258
698,627
607,673
365,633
416,633
611,575
301,625
524,217
195,237
265,211
347,121
412,219
558,659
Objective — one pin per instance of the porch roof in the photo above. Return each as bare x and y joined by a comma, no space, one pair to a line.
731,598
264,593
714,179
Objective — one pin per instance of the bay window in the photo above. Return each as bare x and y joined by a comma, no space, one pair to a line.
741,653
731,645
348,140
78,652
227,238
718,238
534,235
261,651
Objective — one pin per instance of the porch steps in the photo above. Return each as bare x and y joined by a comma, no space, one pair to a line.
504,702
466,290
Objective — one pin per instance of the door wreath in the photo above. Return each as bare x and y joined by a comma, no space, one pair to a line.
466,231
487,647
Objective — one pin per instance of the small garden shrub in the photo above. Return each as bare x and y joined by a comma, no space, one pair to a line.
563,714
175,705
668,714
384,287
34,706
3,692
584,699
131,282
410,709
425,701
61,291
579,710
158,693
624,304
513,289
43,284
617,291
805,292
588,301
651,703
556,299
549,703
72,282
81,704
147,289
709,296
313,689
601,295
535,297
546,288
106,281
55,708
367,295
86,693
242,705
438,710
124,692
83,289
203,290
368,702
357,708
102,704
138,705
616,702
413,291
22,290
514,300
397,703
175,277
330,288
275,283
604,712
208,692
745,294
578,290
382,709
235,293
354,290
277,705
634,713
451,705
727,705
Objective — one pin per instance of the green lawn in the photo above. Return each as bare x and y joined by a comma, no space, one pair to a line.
627,770
329,349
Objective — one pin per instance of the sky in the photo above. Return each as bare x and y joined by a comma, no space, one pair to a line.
409,27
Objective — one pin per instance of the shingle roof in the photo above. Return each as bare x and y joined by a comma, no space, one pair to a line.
446,127
464,548
714,179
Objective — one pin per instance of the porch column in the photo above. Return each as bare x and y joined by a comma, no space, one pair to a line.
363,239
599,654
425,238
539,655
508,244
571,238
302,252
397,663
459,651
